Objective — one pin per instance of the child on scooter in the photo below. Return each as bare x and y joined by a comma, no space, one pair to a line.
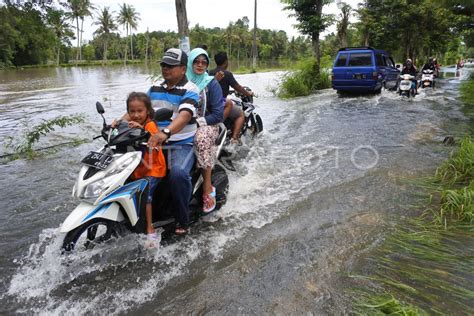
153,165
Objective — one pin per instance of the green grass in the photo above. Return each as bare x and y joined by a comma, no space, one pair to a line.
459,168
386,305
467,92
425,264
425,267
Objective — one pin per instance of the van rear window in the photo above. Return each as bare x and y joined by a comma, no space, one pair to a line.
380,60
341,61
360,59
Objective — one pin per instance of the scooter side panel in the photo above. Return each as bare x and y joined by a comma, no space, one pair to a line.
132,197
85,212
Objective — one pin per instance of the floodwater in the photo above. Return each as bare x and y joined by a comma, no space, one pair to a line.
319,185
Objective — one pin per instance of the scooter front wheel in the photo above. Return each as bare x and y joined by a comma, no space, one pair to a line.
89,234
256,125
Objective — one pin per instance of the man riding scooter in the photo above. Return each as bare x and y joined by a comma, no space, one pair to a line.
410,69
231,110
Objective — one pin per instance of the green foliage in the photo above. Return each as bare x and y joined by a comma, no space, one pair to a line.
309,15
467,92
457,205
303,81
38,35
416,29
386,305
88,52
424,261
23,146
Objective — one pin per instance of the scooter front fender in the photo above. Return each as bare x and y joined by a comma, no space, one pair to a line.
85,212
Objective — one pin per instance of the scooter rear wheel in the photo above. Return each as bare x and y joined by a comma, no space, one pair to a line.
89,234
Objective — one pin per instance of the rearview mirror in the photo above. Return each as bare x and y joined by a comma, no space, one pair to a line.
163,114
100,108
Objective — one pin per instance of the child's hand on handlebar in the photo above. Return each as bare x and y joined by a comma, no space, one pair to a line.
133,124
115,123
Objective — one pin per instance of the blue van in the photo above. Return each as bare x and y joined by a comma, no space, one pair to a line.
364,69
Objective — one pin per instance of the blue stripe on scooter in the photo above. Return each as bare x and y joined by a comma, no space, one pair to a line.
100,208
123,191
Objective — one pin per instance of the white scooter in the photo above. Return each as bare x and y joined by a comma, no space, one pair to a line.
427,79
112,204
407,86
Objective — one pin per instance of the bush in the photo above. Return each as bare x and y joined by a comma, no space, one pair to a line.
23,145
303,81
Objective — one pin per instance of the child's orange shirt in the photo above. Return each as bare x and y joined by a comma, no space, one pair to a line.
153,165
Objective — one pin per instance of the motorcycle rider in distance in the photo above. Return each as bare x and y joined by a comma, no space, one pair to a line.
437,66
429,65
227,80
410,69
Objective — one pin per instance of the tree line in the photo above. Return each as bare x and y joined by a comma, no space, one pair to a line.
33,33
39,32
415,29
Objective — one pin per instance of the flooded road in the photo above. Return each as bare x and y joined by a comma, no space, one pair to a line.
319,185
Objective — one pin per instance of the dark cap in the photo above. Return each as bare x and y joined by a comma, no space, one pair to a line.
174,56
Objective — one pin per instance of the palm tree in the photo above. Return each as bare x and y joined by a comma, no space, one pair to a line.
74,7
106,24
57,20
86,9
128,17
343,24
78,10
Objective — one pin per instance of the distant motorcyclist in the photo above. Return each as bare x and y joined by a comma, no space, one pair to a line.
410,69
430,65
437,66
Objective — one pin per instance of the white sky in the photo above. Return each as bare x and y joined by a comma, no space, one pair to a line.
161,15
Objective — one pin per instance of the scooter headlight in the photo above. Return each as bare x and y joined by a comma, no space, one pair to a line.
95,189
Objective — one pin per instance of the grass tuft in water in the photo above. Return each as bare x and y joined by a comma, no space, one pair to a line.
386,305
459,168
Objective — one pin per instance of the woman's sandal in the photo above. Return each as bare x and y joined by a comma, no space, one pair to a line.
152,241
209,201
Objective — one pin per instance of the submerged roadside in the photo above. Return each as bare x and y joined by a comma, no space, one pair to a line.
424,265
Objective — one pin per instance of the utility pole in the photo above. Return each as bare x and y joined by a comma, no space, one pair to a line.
183,29
254,44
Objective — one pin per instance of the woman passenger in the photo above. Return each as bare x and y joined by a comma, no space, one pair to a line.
210,113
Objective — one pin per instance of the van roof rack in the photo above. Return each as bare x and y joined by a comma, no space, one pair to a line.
356,48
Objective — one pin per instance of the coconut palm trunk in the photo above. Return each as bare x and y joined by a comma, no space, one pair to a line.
131,45
78,40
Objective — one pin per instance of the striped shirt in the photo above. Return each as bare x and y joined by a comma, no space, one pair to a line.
182,97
